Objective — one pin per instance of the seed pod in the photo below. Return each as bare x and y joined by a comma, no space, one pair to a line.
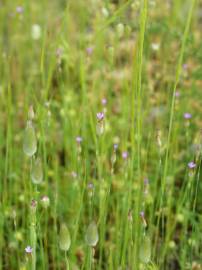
92,235
30,142
37,171
36,31
120,30
64,238
145,250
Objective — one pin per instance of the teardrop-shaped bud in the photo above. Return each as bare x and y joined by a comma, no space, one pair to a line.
37,171
145,250
120,30
92,235
30,142
64,238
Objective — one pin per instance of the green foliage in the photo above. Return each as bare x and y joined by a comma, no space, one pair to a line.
134,168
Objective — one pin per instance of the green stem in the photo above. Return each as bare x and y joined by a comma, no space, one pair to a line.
66,261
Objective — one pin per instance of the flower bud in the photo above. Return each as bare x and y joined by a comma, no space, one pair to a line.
92,235
120,30
37,171
30,142
64,238
145,250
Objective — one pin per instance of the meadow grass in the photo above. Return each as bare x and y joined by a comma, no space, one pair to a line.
100,135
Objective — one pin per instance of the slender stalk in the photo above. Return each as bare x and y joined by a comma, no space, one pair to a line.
136,100
66,261
172,111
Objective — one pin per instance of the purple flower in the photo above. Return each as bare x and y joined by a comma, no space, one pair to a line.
115,146
89,50
59,52
100,116
79,139
28,249
142,214
185,66
187,115
191,165
146,181
177,93
125,155
33,203
104,101
90,186
19,9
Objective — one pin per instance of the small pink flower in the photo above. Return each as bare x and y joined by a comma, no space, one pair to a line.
146,181
79,139
28,249
19,9
90,186
89,50
191,165
33,204
125,155
187,115
100,116
177,93
115,146
104,101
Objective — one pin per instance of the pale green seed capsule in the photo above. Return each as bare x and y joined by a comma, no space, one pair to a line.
30,142
145,250
120,30
92,235
64,238
37,171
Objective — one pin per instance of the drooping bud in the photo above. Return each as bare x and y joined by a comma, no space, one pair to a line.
30,141
37,171
92,235
120,30
64,238
145,250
